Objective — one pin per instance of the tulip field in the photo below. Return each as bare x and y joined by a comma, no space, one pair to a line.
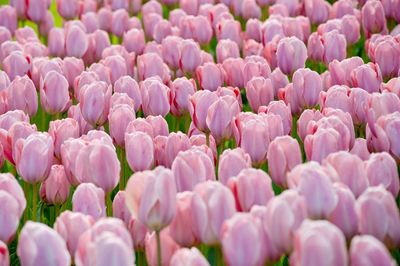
199,132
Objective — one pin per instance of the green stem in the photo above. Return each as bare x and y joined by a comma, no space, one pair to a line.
120,152
34,201
177,123
26,192
109,204
158,247
52,215
208,139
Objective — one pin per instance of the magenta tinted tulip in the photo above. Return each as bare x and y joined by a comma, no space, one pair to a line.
210,76
199,104
76,42
181,90
55,189
291,54
373,18
94,102
231,162
139,151
54,94
89,199
367,77
5,257
155,97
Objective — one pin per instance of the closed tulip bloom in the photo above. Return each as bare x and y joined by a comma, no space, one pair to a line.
231,162
251,187
360,149
72,68
181,228
117,66
34,157
337,97
190,56
387,57
234,68
9,18
68,9
190,256
16,65
54,94
319,243
259,91
240,237
10,214
379,216
134,41
119,118
321,144
169,248
280,208
181,90
9,184
56,42
283,155
119,22
334,45
11,117
220,115
161,30
128,85
39,244
5,257
307,86
4,80
98,163
229,29
291,54
199,104
381,169
373,18
76,42
340,72
317,10
227,49
159,208
119,98
55,189
212,204
350,170
70,226
151,64
107,242
155,97
344,215
90,21
170,50
210,76
367,249
94,102
367,77
190,168
139,151
315,47
312,177
89,199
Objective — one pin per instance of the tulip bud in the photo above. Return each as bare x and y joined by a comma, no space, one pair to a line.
259,91
49,247
54,94
199,104
11,213
119,118
139,151
89,199
226,49
368,248
231,162
155,97
76,42
367,77
314,241
55,189
159,186
190,56
373,18
181,90
291,54
210,76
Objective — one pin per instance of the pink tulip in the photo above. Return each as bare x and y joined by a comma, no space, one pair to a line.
70,226
315,47
117,66
190,168
210,76
72,68
94,102
367,77
158,212
56,42
170,50
89,199
290,48
76,41
350,170
91,22
10,216
212,204
128,85
68,9
16,65
241,242
98,163
251,187
39,244
334,46
251,47
283,155
186,256
373,18
119,22
315,241
119,98
317,10
181,90
107,242
253,30
250,9
312,177
161,30
368,248
54,94
5,256
226,49
337,97
11,117
219,117
139,151
321,144
34,157
259,91
134,41
158,124
231,162
189,58
199,104
4,81
9,184
197,28
181,228
155,97
340,72
55,189
169,248
344,215
119,118
233,68
360,149
229,29
379,216
288,204
387,176
386,55
8,15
